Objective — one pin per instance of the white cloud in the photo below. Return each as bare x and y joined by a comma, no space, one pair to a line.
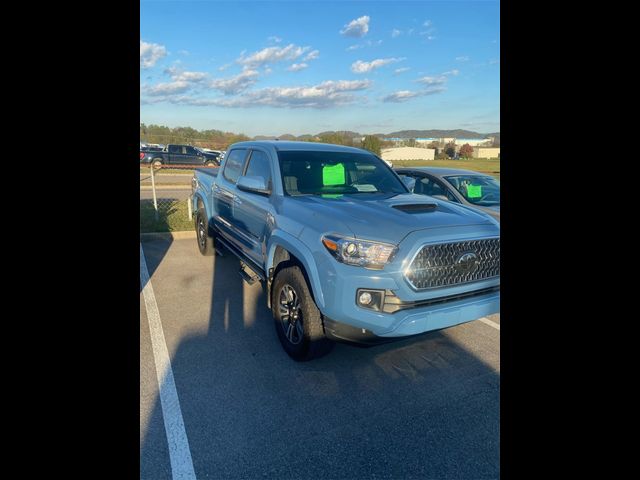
313,55
401,70
183,76
272,55
150,53
356,28
400,96
368,43
182,81
395,33
224,67
170,88
428,23
432,81
296,67
404,95
274,39
365,67
330,93
462,58
453,72
235,84
494,61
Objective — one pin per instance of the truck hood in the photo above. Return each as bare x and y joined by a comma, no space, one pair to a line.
383,217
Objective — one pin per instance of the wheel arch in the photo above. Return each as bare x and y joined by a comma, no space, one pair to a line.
285,250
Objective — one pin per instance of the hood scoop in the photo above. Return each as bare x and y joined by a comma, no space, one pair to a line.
416,207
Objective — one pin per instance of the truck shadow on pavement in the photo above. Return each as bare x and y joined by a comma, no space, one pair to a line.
420,408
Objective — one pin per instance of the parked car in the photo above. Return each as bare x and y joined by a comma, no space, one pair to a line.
467,187
344,250
179,155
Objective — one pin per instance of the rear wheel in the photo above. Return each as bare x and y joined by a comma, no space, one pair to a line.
210,164
205,242
157,163
298,321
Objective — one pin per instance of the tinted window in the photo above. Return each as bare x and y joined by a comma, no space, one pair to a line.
477,189
336,173
190,151
233,164
175,149
259,166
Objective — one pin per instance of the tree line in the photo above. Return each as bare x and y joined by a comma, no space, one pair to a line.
219,140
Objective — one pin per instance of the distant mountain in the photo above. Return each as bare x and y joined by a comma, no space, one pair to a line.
346,133
435,134
399,134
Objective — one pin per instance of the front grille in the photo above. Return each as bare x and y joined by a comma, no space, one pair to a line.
447,264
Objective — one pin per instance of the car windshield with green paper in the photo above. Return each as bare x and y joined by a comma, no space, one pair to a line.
481,190
336,173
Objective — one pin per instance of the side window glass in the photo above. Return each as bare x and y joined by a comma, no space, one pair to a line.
259,166
233,164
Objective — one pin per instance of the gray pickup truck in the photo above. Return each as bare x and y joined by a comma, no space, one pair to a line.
174,154
344,250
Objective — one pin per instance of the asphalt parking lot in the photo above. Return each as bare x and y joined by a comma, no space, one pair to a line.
234,405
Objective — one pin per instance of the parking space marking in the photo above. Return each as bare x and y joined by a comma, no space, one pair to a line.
490,323
179,453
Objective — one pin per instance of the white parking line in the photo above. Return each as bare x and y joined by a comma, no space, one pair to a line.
490,323
179,453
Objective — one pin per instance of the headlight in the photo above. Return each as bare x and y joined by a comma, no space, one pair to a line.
362,253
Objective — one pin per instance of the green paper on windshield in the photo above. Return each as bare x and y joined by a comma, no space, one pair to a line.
474,191
333,174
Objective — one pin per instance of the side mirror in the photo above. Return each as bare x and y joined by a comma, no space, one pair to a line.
253,184
410,182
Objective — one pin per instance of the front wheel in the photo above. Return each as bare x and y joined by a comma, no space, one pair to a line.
210,164
205,242
157,163
298,321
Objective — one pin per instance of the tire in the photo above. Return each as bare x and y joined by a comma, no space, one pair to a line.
210,164
157,163
205,242
304,338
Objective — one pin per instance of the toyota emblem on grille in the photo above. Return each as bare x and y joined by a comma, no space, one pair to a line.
467,263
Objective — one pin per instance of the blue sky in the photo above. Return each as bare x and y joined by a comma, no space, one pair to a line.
275,67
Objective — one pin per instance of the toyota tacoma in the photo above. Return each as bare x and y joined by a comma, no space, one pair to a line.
344,250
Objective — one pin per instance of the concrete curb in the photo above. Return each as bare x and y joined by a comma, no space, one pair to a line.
168,235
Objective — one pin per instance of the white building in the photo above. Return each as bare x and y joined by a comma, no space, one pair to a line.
408,153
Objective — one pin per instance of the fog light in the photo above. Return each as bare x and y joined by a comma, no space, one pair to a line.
370,299
365,298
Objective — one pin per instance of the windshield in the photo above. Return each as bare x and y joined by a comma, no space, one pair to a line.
479,190
335,173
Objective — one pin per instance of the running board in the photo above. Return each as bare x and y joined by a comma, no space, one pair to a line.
246,276
258,275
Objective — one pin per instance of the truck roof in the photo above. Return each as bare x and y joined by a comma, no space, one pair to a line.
290,146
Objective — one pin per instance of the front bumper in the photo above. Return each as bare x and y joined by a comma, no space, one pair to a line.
414,321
